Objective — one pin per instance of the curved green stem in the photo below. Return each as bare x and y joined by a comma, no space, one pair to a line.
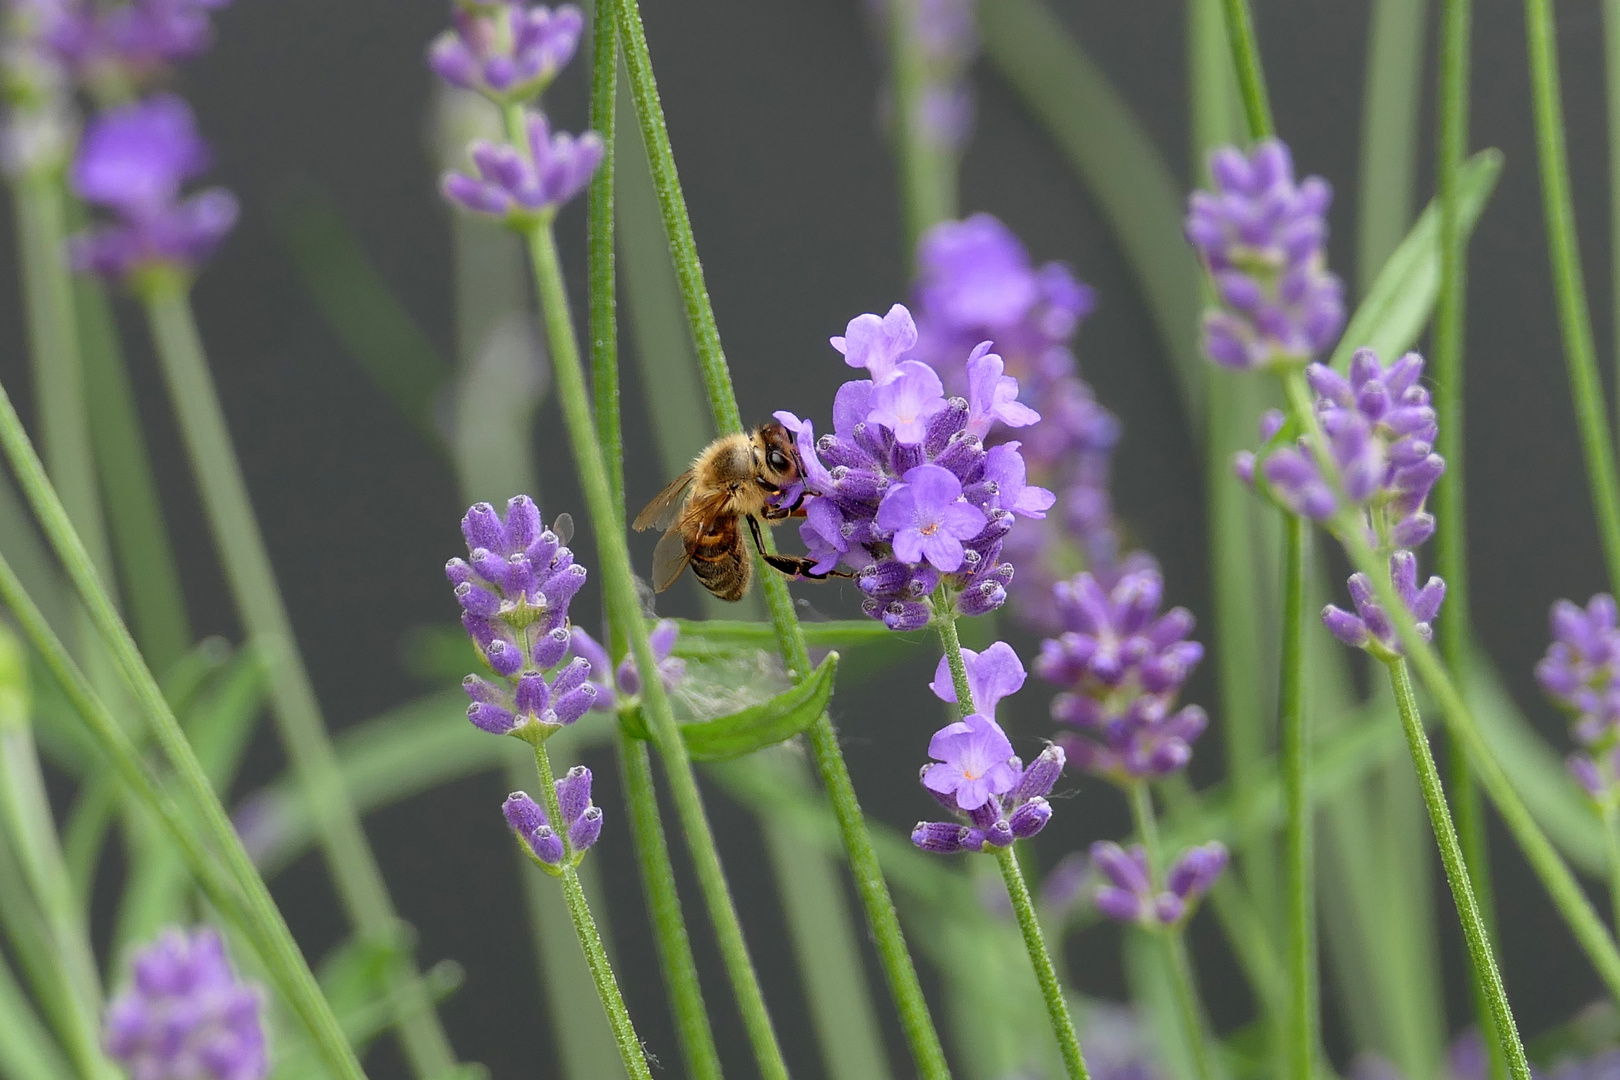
579,911
898,969
242,552
1294,749
1184,981
1057,1008
1543,857
1246,60
1611,834
1451,856
235,888
624,609
1563,249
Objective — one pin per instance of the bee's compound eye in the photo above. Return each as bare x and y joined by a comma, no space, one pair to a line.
777,460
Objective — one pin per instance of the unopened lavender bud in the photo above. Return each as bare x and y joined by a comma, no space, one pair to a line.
551,647
982,598
523,814
482,528
546,845
1030,818
574,794
1197,870
503,657
1168,908
1119,904
907,615
1000,834
940,837
483,690
491,718
533,695
1041,774
585,831
571,706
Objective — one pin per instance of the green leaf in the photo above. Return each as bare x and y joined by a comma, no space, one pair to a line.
1398,305
758,726
699,636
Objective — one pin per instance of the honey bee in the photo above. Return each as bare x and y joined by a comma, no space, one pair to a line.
732,480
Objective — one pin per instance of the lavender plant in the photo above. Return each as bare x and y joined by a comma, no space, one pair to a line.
965,471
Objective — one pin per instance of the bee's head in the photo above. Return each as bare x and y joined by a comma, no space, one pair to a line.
778,454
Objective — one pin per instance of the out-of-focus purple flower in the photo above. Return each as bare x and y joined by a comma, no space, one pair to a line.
1369,627
134,160
186,1015
549,846
1581,673
1130,893
1262,238
514,589
976,283
125,43
1122,665
992,675
1117,1047
945,36
627,680
977,766
525,186
508,67
902,492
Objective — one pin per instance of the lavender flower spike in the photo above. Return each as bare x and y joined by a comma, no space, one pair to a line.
525,187
1122,665
510,67
1581,674
133,161
627,680
186,1015
1261,237
1369,627
978,779
552,848
1127,893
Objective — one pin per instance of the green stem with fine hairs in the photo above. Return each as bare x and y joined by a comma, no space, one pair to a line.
898,969
679,967
252,580
624,610
1057,1008
1294,751
1246,61
1556,877
235,887
1451,856
1184,982
1563,249
579,912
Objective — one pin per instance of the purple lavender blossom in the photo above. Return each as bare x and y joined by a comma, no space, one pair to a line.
128,42
978,779
1581,673
508,67
903,493
133,161
992,675
186,1015
976,282
1262,239
1369,627
514,589
582,822
627,680
1131,895
1123,665
945,35
526,186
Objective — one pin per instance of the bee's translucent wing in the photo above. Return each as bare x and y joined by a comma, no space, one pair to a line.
564,527
660,513
669,559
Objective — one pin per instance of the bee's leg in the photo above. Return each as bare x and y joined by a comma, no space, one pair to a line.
794,566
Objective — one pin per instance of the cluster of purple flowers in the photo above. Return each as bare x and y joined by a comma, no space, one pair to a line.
555,846
1122,666
975,281
1262,237
133,161
514,589
1132,895
975,774
186,1015
946,36
126,42
1581,673
904,492
626,684
510,52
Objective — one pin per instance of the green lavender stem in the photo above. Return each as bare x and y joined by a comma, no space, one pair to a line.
241,549
579,912
1611,70
624,609
1057,1009
1563,249
1183,981
1294,751
235,887
1555,875
1451,856
679,967
927,169
1246,61
898,969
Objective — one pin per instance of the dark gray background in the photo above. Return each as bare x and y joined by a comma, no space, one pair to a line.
793,200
